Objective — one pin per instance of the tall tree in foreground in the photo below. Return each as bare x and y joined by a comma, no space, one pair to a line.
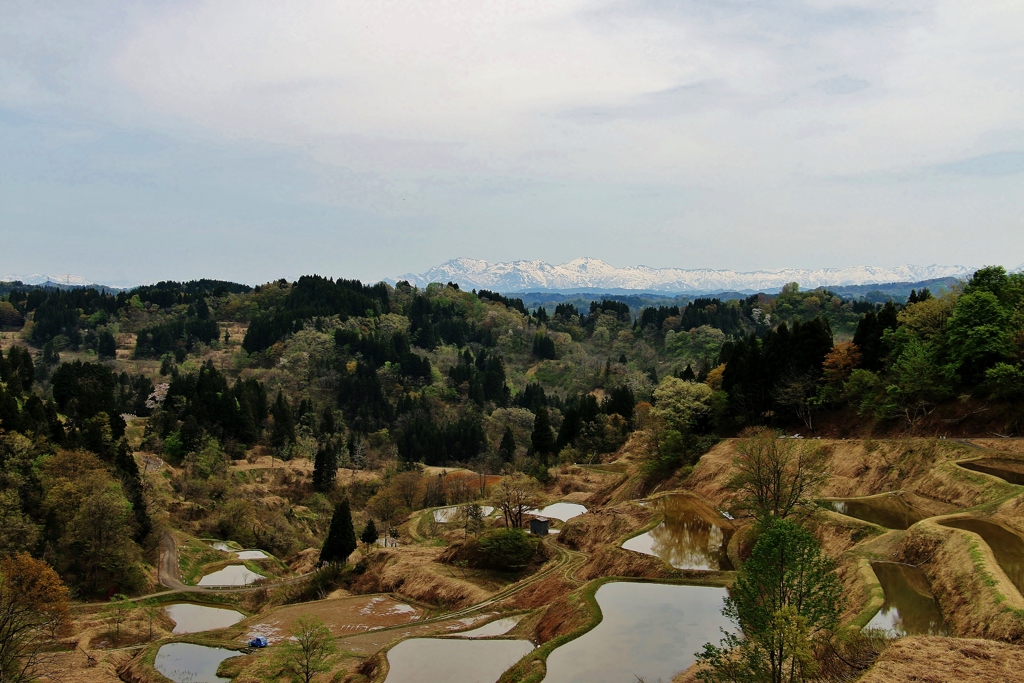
310,651
33,611
341,537
786,598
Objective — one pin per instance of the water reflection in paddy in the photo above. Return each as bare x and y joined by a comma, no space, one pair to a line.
251,555
648,630
1008,470
888,510
430,660
692,536
910,608
498,627
191,618
1007,546
232,575
560,511
188,663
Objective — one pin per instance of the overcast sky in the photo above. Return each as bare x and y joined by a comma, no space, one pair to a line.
251,139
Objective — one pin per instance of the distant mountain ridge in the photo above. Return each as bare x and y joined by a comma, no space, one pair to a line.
584,274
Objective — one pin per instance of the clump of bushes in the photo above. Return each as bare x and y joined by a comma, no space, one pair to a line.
501,549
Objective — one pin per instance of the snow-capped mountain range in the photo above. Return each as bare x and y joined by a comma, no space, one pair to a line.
37,279
589,274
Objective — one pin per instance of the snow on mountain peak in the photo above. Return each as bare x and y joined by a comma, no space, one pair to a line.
587,273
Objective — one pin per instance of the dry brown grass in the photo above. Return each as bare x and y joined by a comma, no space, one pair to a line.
411,571
930,659
924,467
1015,446
976,597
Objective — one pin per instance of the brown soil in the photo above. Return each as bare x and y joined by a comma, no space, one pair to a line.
343,616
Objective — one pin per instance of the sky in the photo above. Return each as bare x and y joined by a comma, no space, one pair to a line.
256,139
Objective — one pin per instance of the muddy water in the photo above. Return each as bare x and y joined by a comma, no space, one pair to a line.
191,618
188,663
910,608
430,660
560,511
1008,470
889,510
232,575
648,630
1007,546
498,627
689,538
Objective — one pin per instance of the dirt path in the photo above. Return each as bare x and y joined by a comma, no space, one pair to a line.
168,572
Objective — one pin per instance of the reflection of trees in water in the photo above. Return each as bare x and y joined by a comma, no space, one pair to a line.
906,610
685,539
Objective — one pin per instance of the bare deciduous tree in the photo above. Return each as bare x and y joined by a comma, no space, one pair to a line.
776,476
514,496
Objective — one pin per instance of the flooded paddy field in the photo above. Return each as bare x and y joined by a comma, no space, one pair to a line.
1011,471
910,608
887,510
188,663
560,511
1006,545
692,536
647,630
419,660
449,514
192,618
232,575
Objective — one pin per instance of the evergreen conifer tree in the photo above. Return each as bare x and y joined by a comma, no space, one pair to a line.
131,480
283,432
507,449
542,439
369,535
107,347
341,537
325,467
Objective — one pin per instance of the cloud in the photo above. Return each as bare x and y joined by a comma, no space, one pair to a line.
997,164
716,132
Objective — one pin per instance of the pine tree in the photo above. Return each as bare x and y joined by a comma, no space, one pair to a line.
131,480
283,432
542,439
325,467
341,537
107,347
507,449
369,535
202,309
